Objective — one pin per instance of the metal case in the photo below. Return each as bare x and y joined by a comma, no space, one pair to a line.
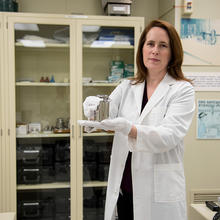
118,9
105,2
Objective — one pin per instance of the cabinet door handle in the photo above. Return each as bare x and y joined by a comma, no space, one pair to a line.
72,131
80,131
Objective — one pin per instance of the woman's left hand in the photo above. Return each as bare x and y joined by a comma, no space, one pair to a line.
91,124
117,124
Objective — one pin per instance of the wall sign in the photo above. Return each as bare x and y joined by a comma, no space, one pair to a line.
204,81
201,41
208,119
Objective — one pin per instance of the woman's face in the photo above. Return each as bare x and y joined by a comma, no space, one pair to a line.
156,50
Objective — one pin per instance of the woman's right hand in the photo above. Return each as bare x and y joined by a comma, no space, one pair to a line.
90,105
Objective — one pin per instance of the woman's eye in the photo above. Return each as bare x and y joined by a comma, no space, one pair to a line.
163,45
150,44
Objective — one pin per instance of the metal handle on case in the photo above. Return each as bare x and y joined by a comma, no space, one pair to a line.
34,212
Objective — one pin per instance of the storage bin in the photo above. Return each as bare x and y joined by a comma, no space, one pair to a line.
62,152
90,171
89,151
62,172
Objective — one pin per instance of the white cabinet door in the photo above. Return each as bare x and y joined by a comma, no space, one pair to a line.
42,116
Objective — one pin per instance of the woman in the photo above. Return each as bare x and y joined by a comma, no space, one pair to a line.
150,115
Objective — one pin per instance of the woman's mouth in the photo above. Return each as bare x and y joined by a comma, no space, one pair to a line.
154,59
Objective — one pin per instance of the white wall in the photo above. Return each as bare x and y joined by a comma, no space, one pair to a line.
167,11
143,8
202,156
88,7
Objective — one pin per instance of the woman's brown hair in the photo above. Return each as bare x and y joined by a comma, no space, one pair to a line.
174,67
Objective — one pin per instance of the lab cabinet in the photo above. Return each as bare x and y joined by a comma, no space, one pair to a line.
49,65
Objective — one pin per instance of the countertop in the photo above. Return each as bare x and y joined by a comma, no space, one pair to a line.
7,216
203,211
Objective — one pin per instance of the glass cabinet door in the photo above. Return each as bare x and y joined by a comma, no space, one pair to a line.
107,58
43,141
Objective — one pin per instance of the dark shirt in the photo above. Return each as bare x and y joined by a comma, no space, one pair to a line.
126,183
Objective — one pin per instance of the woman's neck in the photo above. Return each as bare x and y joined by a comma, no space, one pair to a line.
154,79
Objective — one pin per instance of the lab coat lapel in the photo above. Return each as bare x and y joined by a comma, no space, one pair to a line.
158,94
138,94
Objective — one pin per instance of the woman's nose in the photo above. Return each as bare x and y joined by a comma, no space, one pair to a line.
155,50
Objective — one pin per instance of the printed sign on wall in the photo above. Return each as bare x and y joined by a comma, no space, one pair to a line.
204,81
201,41
208,119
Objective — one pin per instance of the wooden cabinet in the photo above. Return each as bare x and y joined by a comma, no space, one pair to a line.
56,170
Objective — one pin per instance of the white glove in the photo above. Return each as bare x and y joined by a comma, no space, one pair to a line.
91,124
90,105
117,124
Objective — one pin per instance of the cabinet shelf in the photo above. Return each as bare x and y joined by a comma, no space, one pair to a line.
100,84
113,46
47,45
42,135
57,185
98,134
41,84
60,185
95,184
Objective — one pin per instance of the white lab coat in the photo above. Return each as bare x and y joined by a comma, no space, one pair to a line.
157,152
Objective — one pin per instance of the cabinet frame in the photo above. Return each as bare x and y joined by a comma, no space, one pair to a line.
8,186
